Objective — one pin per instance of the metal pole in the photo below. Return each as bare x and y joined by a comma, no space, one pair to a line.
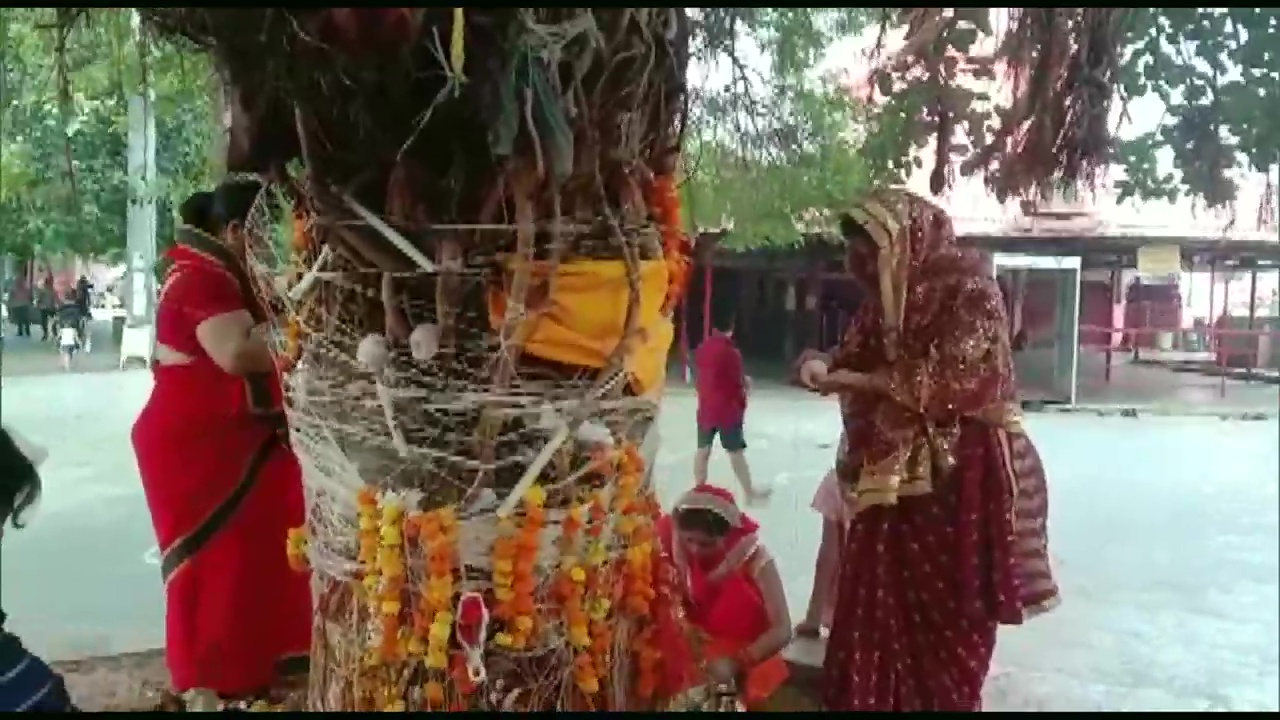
1075,331
1253,314
1207,338
1182,318
1111,325
1223,349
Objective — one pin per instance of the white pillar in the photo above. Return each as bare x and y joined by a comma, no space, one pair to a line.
141,219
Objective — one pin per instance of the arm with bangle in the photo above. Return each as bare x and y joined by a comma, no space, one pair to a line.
776,638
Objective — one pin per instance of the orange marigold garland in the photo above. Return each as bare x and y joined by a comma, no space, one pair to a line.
571,580
366,556
391,572
593,664
437,532
594,591
301,245
633,505
386,532
515,554
292,342
296,548
664,201
578,627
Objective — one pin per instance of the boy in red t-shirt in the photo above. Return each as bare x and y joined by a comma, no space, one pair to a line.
722,405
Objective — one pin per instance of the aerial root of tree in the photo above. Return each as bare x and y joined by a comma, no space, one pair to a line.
1062,65
471,244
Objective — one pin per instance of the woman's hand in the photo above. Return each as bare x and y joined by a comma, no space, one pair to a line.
813,374
841,381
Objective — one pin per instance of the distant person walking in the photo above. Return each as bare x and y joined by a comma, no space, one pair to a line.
20,300
46,305
84,296
722,389
70,336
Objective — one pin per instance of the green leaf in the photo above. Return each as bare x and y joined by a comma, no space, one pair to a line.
39,212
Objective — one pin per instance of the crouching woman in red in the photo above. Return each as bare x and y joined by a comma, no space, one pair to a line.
221,482
731,595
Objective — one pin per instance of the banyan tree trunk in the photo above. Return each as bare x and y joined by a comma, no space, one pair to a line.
472,246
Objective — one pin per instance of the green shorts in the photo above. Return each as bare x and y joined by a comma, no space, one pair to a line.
731,438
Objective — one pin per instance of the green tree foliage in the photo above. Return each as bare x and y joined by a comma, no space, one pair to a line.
758,157
1217,71
64,128
1066,70
769,140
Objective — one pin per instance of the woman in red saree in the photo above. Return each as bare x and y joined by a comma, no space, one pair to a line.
731,595
947,538
221,482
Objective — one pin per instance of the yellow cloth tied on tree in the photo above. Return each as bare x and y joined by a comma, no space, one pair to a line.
583,318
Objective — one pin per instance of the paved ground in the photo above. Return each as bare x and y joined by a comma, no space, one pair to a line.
1165,533
24,356
1153,386
1156,390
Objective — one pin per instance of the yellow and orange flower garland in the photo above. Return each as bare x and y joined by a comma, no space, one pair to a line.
593,664
515,554
584,584
385,530
587,590
664,201
635,506
296,546
381,556
437,532
569,588
301,245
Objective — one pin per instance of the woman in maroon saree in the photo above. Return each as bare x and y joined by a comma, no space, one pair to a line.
220,479
947,494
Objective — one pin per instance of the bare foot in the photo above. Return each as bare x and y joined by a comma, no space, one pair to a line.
758,497
809,629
